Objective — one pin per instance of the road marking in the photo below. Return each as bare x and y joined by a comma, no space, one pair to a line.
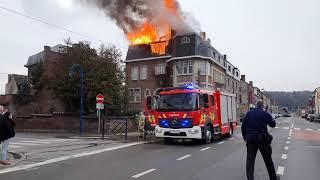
25,144
318,129
143,173
280,170
288,142
308,129
204,149
232,138
285,128
298,129
183,157
221,142
291,126
289,138
13,146
276,127
286,148
284,156
50,161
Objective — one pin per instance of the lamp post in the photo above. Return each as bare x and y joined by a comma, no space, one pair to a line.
71,73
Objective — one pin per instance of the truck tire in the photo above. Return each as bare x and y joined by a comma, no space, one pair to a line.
207,135
230,133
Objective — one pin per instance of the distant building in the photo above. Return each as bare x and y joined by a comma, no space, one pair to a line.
15,83
244,101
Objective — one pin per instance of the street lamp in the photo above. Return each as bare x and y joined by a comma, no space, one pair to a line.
71,73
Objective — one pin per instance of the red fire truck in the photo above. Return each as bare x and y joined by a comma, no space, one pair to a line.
188,112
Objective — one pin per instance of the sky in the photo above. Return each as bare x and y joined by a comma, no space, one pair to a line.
275,43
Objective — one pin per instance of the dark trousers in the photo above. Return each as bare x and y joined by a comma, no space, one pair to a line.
266,151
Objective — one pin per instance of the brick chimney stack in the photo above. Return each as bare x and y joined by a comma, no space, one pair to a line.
243,78
251,83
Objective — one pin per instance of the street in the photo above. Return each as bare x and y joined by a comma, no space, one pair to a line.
296,148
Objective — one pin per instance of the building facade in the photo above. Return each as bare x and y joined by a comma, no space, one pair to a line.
184,59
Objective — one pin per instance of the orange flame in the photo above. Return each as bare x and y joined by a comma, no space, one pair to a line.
160,32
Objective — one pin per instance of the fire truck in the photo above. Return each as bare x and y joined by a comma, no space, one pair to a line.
188,112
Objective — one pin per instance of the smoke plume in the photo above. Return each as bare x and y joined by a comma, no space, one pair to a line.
130,15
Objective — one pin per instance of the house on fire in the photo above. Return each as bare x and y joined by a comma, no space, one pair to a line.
183,59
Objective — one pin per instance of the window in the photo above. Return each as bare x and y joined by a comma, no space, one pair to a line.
203,68
143,72
135,95
229,68
211,100
184,67
240,99
229,81
147,92
237,74
160,69
224,64
203,99
134,73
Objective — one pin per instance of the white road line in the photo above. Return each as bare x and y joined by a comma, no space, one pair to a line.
298,129
143,173
285,128
276,127
25,144
288,142
280,170
232,138
318,129
286,148
284,156
50,161
291,126
308,129
221,142
204,149
183,157
13,146
289,138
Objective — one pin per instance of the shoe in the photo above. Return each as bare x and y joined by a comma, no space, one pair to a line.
5,162
278,177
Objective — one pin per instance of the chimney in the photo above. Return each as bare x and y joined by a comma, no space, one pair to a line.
243,78
203,35
225,57
47,48
251,83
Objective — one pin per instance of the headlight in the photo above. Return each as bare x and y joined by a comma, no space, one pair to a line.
158,130
193,131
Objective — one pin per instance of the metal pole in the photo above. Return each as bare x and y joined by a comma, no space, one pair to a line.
99,121
126,129
81,101
103,120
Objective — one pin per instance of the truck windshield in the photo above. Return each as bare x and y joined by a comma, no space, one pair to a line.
176,102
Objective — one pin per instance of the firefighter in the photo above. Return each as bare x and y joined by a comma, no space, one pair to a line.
255,133
141,124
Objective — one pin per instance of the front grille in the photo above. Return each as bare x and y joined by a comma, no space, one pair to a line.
175,123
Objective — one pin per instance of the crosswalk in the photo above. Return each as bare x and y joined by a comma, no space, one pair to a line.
36,142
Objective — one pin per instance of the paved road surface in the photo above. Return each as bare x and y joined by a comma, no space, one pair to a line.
296,150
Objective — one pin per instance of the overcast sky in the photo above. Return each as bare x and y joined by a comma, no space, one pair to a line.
275,43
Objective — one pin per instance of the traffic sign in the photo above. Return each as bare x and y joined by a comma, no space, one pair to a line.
100,98
100,106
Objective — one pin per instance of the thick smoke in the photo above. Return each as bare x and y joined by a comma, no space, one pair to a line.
129,15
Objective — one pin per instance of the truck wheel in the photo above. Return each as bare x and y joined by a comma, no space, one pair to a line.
230,133
167,140
207,135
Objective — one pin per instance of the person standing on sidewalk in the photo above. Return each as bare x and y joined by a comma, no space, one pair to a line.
141,124
255,133
6,133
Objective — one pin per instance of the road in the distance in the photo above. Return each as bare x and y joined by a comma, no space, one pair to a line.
222,160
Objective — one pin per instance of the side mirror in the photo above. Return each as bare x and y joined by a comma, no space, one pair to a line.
149,102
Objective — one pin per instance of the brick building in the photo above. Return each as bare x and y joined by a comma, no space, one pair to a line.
184,59
15,82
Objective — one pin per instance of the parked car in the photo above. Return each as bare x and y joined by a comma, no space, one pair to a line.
304,115
286,115
311,117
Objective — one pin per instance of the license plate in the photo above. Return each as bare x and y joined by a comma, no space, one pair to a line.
174,132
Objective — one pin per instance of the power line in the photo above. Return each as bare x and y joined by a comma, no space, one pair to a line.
54,25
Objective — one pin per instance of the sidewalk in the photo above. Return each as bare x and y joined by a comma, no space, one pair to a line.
74,144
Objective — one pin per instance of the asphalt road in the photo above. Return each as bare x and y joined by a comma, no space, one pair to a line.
296,150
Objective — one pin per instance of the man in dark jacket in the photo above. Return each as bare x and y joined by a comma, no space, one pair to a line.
6,133
255,133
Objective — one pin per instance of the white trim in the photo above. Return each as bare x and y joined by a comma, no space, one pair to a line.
196,56
160,132
146,59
